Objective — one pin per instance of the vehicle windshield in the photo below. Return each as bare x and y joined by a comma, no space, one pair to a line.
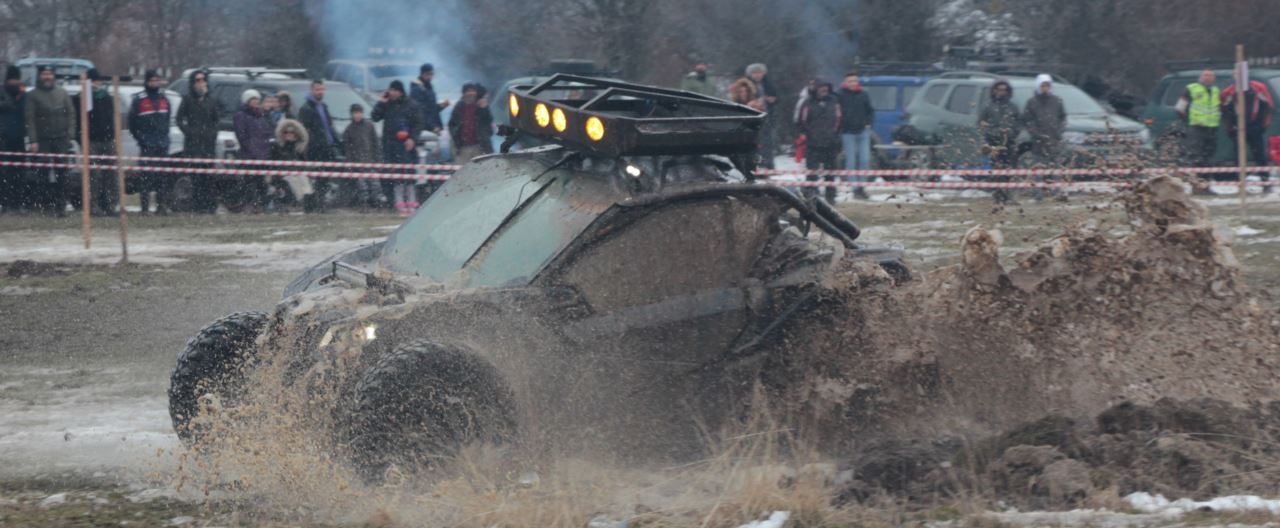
501,219
1074,99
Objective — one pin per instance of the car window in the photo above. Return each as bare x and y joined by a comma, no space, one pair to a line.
883,98
676,250
909,94
228,98
934,94
458,218
964,99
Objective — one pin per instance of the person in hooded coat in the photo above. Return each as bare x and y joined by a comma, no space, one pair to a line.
1045,117
14,187
253,131
820,119
291,144
999,125
102,141
198,120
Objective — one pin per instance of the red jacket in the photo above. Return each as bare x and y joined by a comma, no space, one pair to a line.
1258,107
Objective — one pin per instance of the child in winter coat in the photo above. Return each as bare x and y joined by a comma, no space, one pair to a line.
360,140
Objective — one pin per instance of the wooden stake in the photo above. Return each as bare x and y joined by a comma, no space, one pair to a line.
124,219
1242,85
85,203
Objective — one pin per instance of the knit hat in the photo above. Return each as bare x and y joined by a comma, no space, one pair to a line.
94,75
397,86
1044,78
250,95
355,107
43,68
150,74
757,67
426,67
12,73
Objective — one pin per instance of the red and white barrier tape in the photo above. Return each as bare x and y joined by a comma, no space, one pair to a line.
233,172
232,161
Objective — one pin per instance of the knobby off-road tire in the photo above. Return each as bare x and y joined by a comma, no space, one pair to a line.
215,362
417,406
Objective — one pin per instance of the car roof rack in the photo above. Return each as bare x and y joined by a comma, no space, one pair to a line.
616,118
1215,64
251,72
998,75
869,68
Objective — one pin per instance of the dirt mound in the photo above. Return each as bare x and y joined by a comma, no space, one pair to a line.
1199,448
1091,318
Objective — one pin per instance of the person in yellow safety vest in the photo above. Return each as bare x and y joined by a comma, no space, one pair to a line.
1201,106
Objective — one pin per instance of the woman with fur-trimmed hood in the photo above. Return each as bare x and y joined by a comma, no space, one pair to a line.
290,145
743,92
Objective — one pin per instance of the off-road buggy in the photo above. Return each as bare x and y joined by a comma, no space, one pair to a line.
624,287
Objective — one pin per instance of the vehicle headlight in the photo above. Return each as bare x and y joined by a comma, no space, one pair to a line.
1075,138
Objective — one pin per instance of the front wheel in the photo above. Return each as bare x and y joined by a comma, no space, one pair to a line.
212,369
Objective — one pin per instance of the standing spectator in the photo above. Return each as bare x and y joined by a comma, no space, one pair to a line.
149,124
424,95
697,81
999,125
283,108
323,145
765,92
51,125
401,123
1258,105
198,120
1045,118
743,92
820,120
270,103
291,145
14,187
471,124
253,132
1201,106
360,140
855,127
102,142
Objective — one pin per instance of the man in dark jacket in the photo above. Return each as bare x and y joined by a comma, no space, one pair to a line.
1045,118
1258,105
821,120
424,95
149,124
102,141
14,185
401,123
855,127
51,125
314,115
999,125
198,120
471,124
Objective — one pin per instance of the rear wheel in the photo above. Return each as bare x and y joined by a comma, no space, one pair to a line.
211,371
423,402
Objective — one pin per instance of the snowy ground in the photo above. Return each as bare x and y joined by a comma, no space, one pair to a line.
87,350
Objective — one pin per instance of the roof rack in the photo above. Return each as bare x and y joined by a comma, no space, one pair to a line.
969,75
616,118
1215,64
251,72
896,68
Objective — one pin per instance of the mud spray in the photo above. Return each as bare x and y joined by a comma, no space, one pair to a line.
1048,382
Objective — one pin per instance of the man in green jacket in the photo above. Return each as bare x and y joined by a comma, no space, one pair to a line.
698,82
51,125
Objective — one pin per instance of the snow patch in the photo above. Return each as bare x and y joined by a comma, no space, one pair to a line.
1245,230
1146,502
775,520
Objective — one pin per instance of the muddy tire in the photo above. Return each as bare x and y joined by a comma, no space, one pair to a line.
423,402
213,363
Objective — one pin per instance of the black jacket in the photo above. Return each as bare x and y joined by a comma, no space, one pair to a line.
149,121
1045,117
484,126
102,118
397,116
360,143
1000,121
858,114
198,120
319,149
424,95
13,120
820,119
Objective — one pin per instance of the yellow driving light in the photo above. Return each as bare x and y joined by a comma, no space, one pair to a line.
514,103
595,128
541,115
558,119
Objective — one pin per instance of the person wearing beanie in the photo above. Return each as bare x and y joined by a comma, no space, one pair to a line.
149,125
253,131
323,146
697,81
14,185
401,123
471,124
424,95
198,117
1046,119
51,126
102,141
360,143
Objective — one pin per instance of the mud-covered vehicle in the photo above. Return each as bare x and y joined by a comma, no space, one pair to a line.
623,288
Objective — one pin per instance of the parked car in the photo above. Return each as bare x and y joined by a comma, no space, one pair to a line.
945,113
1169,129
127,143
890,95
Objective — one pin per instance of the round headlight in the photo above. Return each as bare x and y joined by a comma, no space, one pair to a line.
558,120
514,103
595,128
541,115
